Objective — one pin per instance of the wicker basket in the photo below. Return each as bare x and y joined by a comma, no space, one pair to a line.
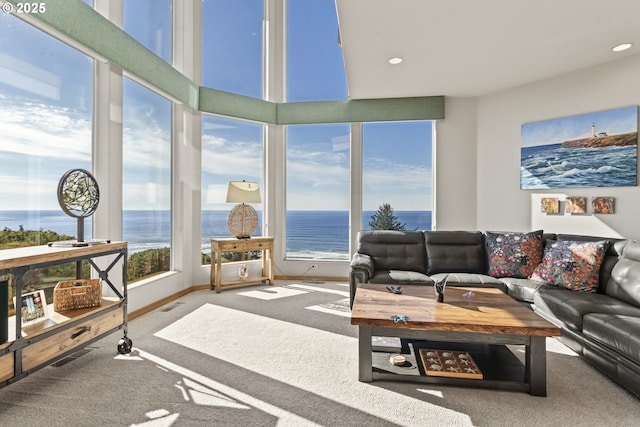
81,293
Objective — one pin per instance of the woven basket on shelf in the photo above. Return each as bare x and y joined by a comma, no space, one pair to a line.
73,294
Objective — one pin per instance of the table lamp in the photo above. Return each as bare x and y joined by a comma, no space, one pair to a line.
243,219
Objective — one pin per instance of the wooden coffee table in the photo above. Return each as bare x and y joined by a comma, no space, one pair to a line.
489,318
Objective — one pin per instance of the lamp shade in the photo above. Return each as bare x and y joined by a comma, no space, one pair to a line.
243,192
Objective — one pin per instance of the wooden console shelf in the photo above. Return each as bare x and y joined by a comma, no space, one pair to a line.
218,246
32,347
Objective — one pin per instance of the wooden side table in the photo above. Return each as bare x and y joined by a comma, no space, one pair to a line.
218,246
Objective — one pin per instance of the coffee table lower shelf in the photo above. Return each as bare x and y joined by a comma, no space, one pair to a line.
501,369
514,375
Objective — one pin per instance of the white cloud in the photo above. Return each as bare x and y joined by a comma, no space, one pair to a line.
317,169
45,131
146,195
28,193
317,179
404,186
231,159
146,143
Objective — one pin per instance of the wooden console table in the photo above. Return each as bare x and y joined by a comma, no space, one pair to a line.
32,347
218,246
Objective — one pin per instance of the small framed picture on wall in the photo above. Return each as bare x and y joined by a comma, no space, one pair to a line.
550,205
576,205
602,205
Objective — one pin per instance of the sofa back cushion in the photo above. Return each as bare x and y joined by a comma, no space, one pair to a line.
455,252
624,280
394,250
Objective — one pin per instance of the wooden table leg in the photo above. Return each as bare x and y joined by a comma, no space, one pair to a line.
270,265
212,272
218,272
264,263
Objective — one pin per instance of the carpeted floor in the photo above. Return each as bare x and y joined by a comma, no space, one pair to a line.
281,356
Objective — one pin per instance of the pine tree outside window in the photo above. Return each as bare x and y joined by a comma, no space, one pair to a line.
384,219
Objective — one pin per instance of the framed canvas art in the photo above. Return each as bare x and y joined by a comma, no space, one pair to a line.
576,205
550,205
589,150
602,205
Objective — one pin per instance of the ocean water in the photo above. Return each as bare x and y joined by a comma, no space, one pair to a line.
551,166
310,234
325,234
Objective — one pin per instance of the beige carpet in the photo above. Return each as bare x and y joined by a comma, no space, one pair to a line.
282,356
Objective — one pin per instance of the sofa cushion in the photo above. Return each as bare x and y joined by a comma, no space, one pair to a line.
394,250
571,264
400,277
619,332
522,289
514,254
470,279
455,252
570,307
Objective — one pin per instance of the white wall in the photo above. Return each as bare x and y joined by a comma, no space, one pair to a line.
501,204
455,163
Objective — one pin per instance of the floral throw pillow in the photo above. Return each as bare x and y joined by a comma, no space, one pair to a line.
514,254
573,265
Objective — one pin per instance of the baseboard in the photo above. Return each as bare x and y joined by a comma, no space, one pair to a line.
147,308
318,278
165,300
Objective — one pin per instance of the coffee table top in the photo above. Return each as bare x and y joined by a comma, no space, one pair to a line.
489,311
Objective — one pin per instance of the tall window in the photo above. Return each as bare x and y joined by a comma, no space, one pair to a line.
149,22
46,109
232,46
315,67
232,150
317,155
146,181
397,170
318,192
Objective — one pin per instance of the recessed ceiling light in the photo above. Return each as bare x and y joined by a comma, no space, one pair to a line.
621,47
395,60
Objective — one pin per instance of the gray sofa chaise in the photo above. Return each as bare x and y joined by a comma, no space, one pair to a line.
599,316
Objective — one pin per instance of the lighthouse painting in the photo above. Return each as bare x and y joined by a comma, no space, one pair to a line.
589,150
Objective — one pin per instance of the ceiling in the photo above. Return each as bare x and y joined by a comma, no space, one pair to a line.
468,48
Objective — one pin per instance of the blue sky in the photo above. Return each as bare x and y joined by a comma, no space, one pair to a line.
45,115
397,155
47,85
555,131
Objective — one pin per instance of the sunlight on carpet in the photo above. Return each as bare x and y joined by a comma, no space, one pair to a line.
319,289
338,308
206,391
325,362
272,293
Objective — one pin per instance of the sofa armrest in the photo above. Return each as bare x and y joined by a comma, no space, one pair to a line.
361,269
362,262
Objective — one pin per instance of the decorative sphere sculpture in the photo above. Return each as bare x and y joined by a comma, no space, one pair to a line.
78,193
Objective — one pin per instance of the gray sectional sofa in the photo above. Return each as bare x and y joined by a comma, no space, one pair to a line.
601,323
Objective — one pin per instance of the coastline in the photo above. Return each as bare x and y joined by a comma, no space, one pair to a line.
311,234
